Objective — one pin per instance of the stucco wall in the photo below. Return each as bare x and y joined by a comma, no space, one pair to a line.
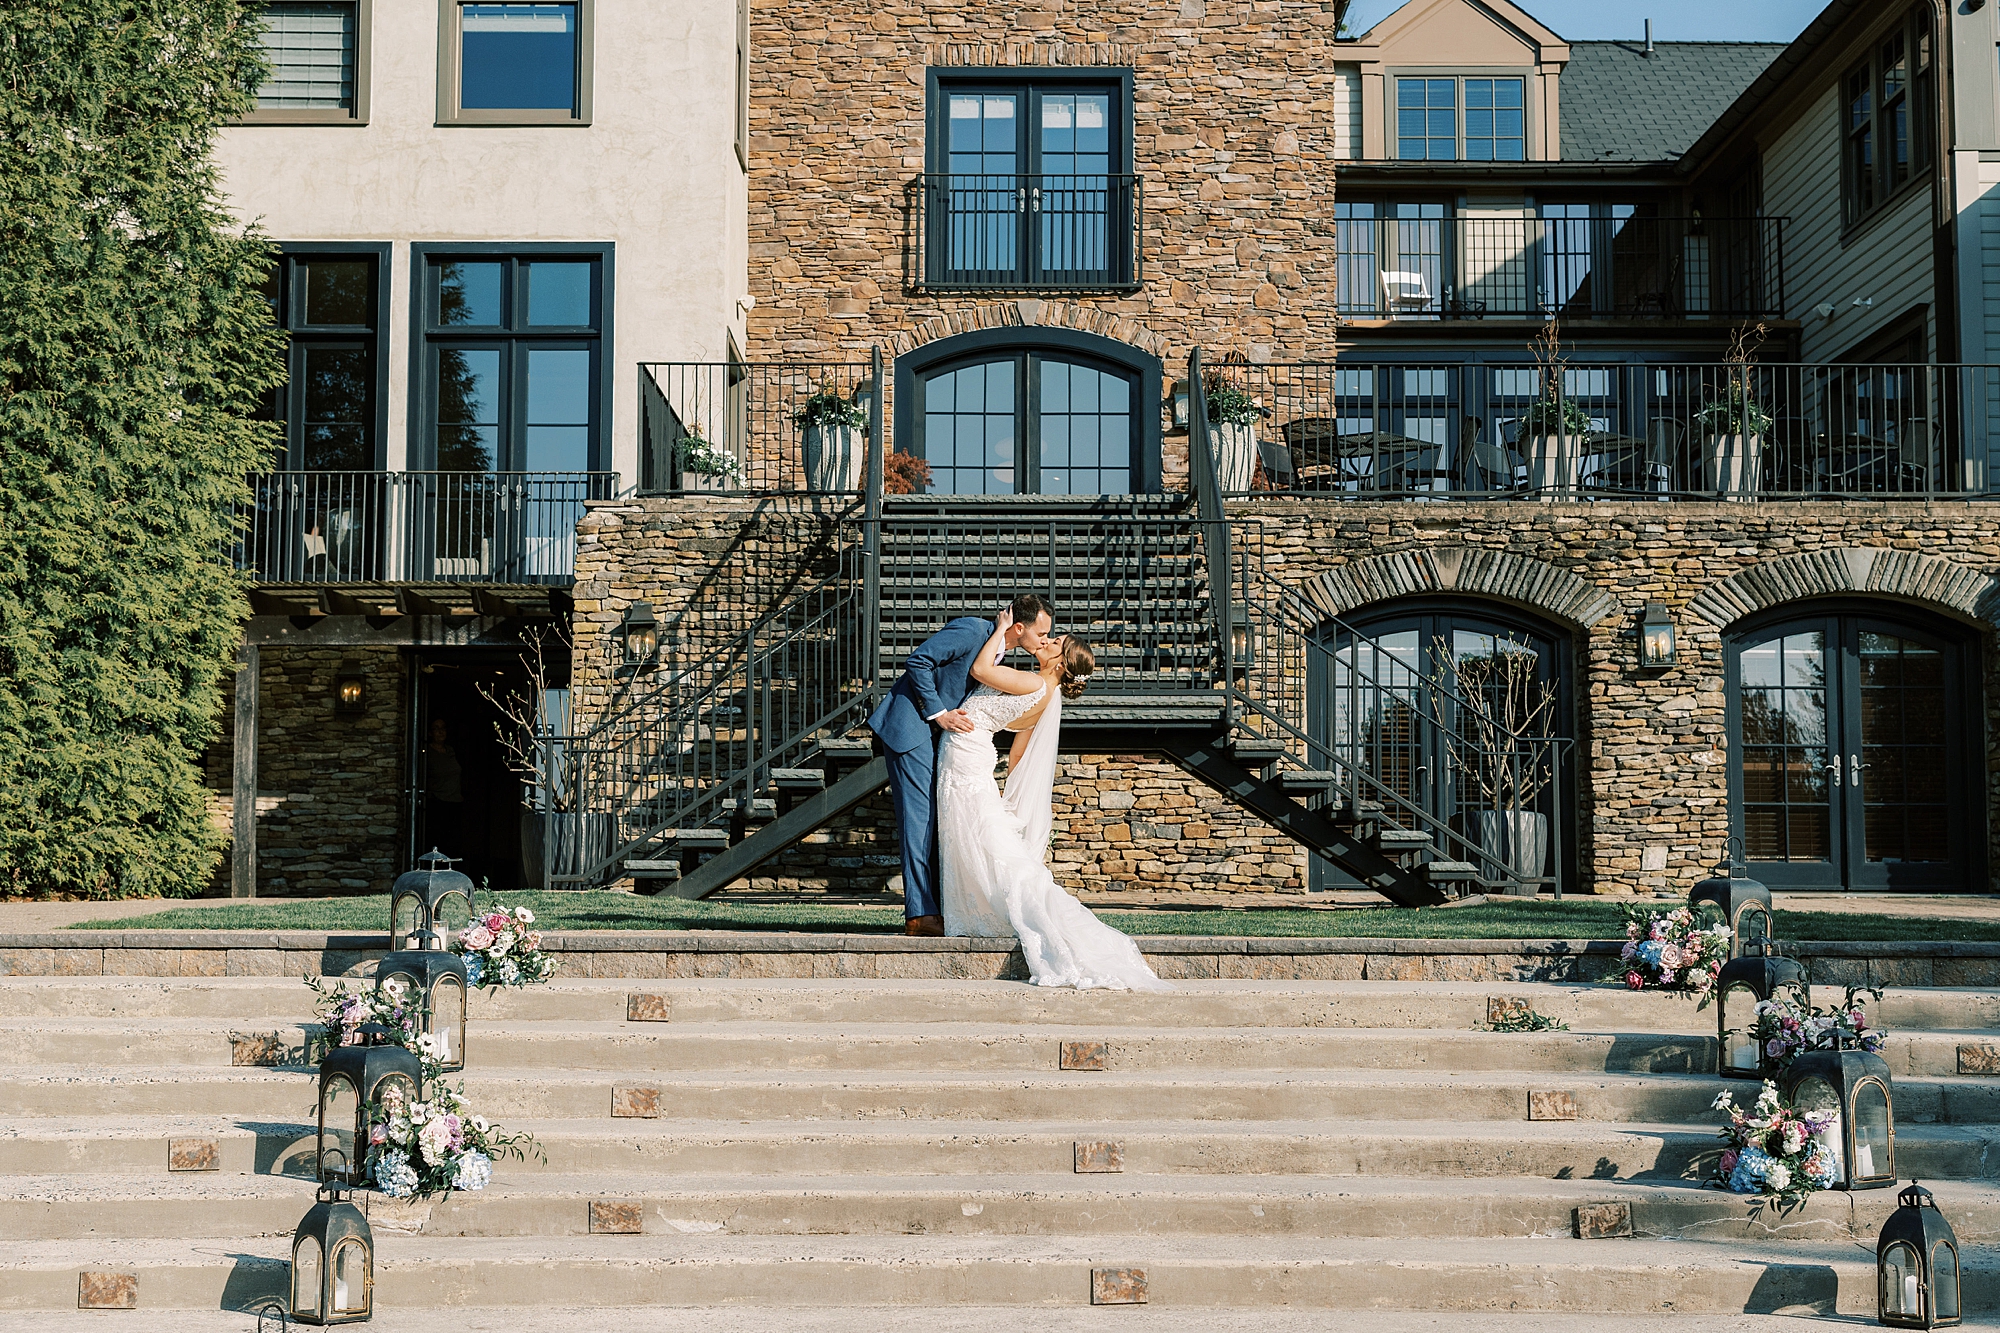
655,172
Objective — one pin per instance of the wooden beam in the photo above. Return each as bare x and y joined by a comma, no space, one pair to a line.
493,604
270,604
337,603
413,603
243,778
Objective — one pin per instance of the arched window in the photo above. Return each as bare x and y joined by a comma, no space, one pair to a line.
1848,760
1031,412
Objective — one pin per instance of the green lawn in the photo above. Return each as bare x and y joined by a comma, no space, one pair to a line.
1574,919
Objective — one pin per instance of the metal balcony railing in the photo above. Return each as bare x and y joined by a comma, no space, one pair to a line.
1025,233
1576,267
416,527
760,427
1656,432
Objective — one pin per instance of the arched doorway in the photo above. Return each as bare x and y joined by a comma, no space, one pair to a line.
1851,741
1422,696
1030,411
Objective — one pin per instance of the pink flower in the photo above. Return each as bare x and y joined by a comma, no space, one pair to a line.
1728,1162
1633,981
496,921
379,1134
478,938
1670,956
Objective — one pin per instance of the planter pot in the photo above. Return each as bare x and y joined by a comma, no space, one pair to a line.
1732,465
701,481
549,843
833,457
1552,463
1235,454
1518,839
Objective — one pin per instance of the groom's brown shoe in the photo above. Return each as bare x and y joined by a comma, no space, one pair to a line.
924,925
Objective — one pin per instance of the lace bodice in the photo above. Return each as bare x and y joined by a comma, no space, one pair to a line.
991,711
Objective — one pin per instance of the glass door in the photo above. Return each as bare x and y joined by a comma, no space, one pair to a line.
1029,423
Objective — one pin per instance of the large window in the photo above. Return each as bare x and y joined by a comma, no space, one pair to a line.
1030,182
1886,102
1429,127
330,302
514,64
317,52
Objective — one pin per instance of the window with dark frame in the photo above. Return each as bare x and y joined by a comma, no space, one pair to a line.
1430,127
1886,101
317,54
329,305
514,63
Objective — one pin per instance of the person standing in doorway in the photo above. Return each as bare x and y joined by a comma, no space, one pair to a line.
444,793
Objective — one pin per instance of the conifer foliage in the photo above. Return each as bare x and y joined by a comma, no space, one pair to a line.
135,345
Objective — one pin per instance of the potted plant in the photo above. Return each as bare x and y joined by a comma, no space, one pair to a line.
707,466
1501,745
1733,425
1554,428
1232,420
904,474
836,431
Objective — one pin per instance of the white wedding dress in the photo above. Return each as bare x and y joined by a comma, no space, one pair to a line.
991,851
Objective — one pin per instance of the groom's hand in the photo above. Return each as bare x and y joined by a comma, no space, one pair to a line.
956,720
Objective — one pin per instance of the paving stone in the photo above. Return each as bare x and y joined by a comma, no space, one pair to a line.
646,1007
1102,1156
635,1103
1551,1105
107,1291
1978,1058
1117,1286
1085,1055
616,1217
1602,1221
257,1048
194,1155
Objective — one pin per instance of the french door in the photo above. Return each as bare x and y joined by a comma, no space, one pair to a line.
1847,768
1029,422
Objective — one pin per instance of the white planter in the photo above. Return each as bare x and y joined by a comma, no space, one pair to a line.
701,481
1518,839
833,457
1552,464
1235,454
1732,465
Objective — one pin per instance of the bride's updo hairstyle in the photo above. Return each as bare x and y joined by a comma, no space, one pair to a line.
1078,662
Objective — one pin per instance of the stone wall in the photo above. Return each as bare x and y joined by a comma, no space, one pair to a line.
1232,129
329,785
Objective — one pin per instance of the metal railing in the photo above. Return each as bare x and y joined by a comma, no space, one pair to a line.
1634,267
760,427
1581,431
421,527
986,232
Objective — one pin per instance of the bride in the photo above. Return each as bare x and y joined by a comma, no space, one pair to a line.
991,847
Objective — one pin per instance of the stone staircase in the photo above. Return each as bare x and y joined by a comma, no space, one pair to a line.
1235,1146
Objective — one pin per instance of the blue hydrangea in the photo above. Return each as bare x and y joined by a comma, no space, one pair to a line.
473,968
474,1170
1751,1167
1822,1167
394,1175
1650,950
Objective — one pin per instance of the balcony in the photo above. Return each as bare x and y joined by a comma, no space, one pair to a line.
416,527
1583,432
1575,268
1040,233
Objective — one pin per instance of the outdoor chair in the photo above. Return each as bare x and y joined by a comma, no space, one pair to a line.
1277,462
1405,293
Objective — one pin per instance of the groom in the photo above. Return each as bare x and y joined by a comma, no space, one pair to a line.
923,704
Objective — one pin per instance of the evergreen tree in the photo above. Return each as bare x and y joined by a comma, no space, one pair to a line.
135,345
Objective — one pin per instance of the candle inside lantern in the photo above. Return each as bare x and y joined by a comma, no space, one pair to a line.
340,1285
1743,1053
1864,1162
1910,1293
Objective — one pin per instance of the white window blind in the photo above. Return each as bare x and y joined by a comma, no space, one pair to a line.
311,51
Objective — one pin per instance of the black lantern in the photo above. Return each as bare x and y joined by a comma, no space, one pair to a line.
1737,901
1916,1265
1855,1086
642,635
432,898
333,1263
1656,638
350,1077
1744,983
350,690
433,983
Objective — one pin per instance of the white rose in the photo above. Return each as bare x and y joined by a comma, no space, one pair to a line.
1778,1175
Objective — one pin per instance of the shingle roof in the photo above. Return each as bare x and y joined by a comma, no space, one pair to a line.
1621,105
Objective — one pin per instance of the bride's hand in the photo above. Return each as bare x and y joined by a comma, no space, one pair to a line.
1005,620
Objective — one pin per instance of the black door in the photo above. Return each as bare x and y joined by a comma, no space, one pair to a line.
1848,761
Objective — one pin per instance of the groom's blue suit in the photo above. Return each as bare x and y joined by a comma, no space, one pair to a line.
935,679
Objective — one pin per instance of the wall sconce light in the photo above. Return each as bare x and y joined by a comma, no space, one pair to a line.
642,635
350,690
1179,402
1656,638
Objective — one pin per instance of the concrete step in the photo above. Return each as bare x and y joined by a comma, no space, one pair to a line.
77,1207
287,1094
1375,1004
1549,1274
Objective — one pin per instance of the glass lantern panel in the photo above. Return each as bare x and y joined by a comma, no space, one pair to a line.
399,1087
1902,1294
1752,923
339,1108
404,919
1739,1013
401,987
305,1278
448,1017
1708,914
1871,1130
1944,1281
454,913
1816,1094
350,1278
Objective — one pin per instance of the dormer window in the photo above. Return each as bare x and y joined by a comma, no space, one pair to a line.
1451,119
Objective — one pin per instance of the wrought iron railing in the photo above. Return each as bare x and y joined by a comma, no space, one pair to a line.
1633,267
446,527
988,232
760,427
1592,431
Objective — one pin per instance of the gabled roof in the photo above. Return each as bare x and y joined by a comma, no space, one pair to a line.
1621,105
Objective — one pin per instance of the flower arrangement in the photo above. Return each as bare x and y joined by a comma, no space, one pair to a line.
435,1145
1229,403
826,408
703,456
1672,951
1776,1150
1786,1029
502,948
342,1012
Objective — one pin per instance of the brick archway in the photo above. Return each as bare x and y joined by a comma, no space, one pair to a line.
1498,575
1944,585
1030,313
